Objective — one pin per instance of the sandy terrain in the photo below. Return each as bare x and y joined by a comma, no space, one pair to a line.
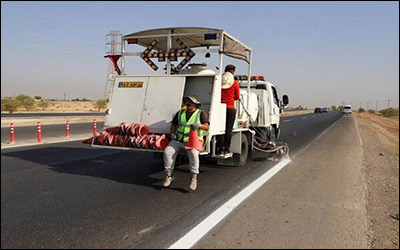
380,142
385,126
62,106
55,107
299,112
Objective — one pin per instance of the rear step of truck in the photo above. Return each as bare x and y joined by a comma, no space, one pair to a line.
222,157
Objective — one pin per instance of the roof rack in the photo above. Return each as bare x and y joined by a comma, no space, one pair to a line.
167,43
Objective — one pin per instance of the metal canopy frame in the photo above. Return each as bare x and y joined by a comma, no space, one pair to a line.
185,32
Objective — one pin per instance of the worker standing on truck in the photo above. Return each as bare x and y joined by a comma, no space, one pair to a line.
229,94
184,120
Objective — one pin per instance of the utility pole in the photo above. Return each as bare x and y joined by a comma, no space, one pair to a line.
367,105
376,107
113,39
388,103
65,94
360,104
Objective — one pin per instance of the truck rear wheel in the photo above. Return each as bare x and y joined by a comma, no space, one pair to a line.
241,159
277,133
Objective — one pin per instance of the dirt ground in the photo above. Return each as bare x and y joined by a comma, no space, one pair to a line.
380,142
55,107
298,112
63,106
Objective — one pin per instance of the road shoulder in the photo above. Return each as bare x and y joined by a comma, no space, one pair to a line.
382,177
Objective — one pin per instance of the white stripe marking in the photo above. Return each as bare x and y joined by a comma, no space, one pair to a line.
304,118
212,220
41,143
287,120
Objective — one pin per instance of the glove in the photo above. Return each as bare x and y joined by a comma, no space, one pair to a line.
195,126
173,137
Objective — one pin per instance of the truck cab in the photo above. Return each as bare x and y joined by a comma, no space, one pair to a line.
268,106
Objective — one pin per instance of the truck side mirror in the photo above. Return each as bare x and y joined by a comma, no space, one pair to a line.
285,100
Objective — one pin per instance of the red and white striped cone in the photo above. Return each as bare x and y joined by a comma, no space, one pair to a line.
39,133
67,132
12,133
94,127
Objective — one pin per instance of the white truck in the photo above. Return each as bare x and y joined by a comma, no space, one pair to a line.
346,109
153,99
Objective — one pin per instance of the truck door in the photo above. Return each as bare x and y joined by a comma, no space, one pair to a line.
275,115
126,101
152,100
163,99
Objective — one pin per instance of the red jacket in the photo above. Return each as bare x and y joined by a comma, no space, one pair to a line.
230,95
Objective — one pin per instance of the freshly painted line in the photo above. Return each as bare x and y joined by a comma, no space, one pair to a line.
304,118
37,144
212,220
287,120
313,116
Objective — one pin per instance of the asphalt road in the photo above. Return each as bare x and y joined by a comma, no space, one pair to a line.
68,195
318,201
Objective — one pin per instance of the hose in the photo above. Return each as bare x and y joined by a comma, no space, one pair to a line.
270,150
266,141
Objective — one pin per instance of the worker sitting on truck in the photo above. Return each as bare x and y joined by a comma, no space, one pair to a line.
229,94
183,121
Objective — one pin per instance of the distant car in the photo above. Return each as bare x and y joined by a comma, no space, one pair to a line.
324,110
317,110
347,109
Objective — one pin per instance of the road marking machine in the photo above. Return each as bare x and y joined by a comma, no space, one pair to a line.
153,99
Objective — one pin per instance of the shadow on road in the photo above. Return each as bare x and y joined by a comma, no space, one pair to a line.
120,166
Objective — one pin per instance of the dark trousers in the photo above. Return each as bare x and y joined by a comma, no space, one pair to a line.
224,141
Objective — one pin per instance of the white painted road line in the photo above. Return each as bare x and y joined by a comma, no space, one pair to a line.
304,118
313,116
212,220
287,120
51,142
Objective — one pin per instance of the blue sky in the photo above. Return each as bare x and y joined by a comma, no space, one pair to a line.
319,53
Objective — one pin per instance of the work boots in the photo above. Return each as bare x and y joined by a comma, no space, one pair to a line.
168,180
193,184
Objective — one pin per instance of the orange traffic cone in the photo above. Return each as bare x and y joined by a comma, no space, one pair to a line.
193,142
141,129
162,142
